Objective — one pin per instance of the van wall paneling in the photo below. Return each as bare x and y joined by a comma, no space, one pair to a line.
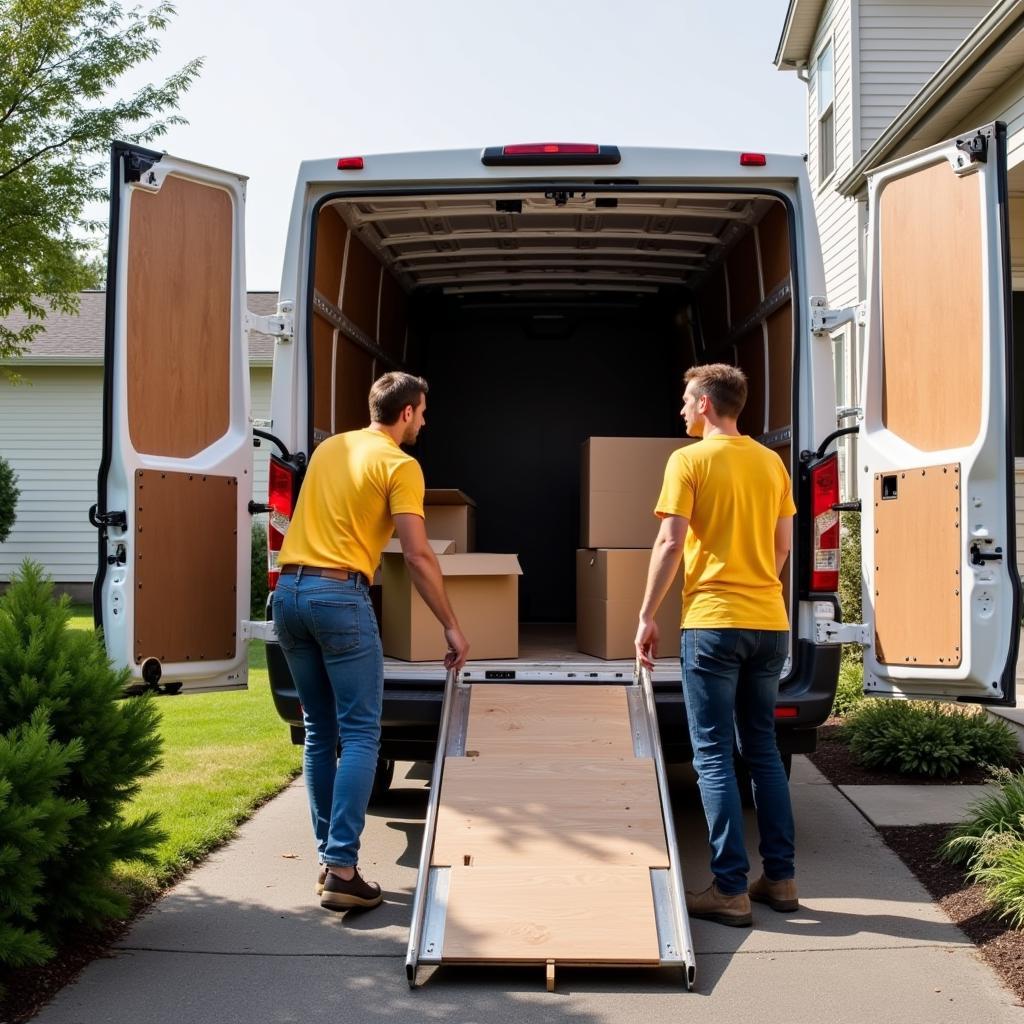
393,317
744,279
712,305
331,235
323,376
179,353
184,521
359,297
917,566
780,367
773,240
353,376
931,307
750,358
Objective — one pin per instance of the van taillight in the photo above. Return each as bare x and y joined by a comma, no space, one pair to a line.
825,525
281,499
550,153
753,160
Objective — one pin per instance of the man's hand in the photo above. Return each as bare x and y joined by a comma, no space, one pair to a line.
458,648
646,643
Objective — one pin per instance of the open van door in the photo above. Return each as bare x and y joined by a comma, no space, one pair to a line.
175,479
941,588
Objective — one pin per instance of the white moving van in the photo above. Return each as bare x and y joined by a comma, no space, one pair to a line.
551,293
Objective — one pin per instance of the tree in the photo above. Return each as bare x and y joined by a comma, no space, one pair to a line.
59,62
9,495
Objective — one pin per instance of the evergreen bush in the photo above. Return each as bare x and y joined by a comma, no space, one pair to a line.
9,495
926,738
850,690
850,580
61,677
259,589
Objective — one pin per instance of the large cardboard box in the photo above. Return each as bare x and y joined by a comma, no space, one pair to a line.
610,588
484,594
452,514
394,547
620,481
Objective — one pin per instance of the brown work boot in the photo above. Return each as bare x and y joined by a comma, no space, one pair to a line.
780,896
339,894
321,877
714,906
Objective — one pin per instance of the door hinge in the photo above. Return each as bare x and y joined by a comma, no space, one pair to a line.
118,520
279,325
824,320
257,629
829,632
972,150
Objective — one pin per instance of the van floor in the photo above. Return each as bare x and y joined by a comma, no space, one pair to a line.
543,647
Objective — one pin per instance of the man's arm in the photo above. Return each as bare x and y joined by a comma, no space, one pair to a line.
665,559
426,577
783,542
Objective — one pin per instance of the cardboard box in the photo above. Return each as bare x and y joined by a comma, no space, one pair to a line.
484,594
610,588
394,547
450,513
620,481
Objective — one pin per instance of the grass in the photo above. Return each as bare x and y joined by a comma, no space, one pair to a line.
224,754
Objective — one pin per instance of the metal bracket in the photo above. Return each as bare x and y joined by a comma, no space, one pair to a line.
825,321
117,520
826,631
845,412
280,326
970,151
258,630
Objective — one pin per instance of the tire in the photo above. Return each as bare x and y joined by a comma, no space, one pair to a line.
383,779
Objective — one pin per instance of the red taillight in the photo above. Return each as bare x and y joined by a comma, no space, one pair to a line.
550,153
281,499
534,148
787,711
753,159
350,163
825,525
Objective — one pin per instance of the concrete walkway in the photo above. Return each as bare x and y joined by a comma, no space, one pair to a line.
244,940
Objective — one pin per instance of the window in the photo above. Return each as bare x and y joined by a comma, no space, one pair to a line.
826,87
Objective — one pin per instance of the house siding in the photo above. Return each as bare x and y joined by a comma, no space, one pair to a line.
51,430
901,45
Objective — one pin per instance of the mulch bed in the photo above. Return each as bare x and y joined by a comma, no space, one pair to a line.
964,903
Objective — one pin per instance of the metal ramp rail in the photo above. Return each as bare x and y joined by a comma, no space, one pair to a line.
434,885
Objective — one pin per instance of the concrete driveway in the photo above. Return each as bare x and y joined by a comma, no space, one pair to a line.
243,939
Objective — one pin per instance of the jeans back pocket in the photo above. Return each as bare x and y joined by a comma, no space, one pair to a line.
335,625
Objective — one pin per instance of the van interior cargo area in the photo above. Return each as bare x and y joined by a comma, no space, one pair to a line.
541,318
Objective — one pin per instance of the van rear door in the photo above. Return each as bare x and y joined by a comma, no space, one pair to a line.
176,474
941,588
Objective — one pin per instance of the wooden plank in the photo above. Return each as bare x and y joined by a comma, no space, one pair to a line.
533,914
744,282
548,811
323,361
917,565
331,232
780,367
362,287
773,237
750,357
571,721
932,308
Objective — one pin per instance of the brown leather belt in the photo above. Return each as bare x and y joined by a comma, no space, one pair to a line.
331,574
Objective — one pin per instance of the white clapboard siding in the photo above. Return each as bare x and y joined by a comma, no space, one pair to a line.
51,434
902,44
836,215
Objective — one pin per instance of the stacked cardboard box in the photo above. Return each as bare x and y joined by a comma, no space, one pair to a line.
621,479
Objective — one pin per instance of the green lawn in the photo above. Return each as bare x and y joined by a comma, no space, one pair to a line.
224,753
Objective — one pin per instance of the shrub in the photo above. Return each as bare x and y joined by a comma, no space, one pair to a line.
9,495
999,867
850,580
1000,813
259,589
926,738
64,676
850,691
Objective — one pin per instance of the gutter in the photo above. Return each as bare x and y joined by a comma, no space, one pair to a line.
992,33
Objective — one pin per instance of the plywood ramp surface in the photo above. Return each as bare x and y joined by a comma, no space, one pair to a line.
533,914
590,721
497,811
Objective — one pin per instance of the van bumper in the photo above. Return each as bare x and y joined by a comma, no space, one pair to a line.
412,711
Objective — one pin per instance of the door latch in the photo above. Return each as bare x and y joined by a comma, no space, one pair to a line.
118,520
979,557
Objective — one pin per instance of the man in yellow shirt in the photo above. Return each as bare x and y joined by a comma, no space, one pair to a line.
359,488
726,510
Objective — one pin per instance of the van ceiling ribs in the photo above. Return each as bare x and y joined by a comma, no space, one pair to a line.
466,244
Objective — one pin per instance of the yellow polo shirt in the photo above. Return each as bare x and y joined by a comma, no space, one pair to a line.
355,484
733,491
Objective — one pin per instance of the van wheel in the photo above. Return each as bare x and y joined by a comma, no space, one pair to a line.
382,780
743,776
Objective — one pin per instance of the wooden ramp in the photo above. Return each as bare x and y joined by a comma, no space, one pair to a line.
549,837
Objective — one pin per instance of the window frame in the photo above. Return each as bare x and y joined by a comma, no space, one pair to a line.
829,111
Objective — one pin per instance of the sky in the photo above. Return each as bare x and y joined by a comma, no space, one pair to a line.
291,80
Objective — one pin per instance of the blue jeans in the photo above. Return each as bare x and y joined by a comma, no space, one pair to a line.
730,684
328,633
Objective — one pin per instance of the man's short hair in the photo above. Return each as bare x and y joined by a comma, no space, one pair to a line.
391,393
725,386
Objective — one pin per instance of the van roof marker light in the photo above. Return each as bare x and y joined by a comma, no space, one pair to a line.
753,159
350,163
550,153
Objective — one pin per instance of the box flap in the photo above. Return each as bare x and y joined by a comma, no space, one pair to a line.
480,565
447,496
439,547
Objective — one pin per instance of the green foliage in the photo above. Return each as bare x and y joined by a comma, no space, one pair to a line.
9,494
850,691
850,580
1000,813
259,588
926,738
999,867
58,679
60,61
